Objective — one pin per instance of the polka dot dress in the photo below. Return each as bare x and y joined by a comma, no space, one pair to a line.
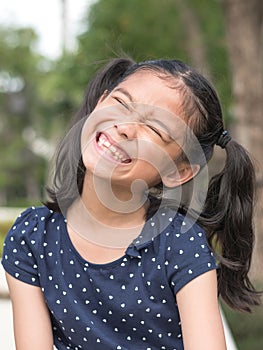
126,304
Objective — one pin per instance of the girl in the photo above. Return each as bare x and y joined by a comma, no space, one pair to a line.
116,258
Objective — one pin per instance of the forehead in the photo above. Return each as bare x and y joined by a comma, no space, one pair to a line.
154,89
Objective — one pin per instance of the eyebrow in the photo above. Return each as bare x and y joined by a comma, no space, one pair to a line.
126,93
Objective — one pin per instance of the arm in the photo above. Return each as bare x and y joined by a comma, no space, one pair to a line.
32,326
199,312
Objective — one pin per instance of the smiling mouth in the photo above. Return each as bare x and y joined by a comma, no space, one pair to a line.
111,149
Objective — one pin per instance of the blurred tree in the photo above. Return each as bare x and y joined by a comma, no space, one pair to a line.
244,24
21,169
190,30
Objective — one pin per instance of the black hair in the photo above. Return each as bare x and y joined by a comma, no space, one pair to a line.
228,210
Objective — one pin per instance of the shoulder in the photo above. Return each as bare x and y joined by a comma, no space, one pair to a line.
188,253
185,230
31,224
25,242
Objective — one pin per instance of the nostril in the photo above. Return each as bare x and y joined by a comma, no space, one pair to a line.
122,130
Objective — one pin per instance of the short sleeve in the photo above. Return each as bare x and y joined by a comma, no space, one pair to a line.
188,254
20,247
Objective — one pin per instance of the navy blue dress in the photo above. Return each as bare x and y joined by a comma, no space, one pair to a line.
127,304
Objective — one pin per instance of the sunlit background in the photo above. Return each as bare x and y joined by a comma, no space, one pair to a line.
49,50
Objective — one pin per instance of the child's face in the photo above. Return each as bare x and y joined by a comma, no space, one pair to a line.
135,132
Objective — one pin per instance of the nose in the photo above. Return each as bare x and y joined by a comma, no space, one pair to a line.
127,130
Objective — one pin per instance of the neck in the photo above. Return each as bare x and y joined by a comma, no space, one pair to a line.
113,205
96,217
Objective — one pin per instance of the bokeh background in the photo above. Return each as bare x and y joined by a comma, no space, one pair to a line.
41,87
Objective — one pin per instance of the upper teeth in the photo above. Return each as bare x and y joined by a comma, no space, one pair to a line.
116,153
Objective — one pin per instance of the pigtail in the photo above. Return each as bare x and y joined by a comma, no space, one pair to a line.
227,217
69,170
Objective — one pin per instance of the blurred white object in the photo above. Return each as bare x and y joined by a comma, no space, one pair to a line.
230,343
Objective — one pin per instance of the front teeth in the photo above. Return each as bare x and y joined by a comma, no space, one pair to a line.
104,143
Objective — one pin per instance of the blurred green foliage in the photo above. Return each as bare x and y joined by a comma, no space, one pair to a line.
4,227
246,328
38,96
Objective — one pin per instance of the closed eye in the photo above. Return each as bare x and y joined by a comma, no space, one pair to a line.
121,102
155,130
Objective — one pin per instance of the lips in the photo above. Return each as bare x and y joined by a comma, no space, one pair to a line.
109,147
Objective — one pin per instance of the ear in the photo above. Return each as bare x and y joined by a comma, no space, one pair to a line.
182,174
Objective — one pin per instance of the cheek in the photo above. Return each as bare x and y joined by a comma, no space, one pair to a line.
158,157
